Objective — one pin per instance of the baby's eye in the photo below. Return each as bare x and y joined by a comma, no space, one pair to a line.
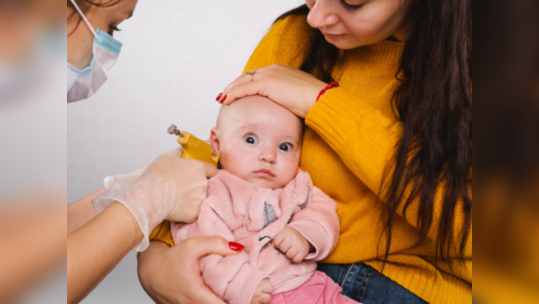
250,139
285,147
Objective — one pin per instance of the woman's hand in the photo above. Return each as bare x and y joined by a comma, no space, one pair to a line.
170,188
172,275
182,186
291,88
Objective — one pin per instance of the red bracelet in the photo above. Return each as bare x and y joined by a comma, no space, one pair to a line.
330,85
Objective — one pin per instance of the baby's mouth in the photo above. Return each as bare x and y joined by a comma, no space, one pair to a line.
264,173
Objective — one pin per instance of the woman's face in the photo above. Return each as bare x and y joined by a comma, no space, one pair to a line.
349,24
107,19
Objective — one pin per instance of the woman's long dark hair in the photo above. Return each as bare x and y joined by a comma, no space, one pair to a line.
434,103
84,6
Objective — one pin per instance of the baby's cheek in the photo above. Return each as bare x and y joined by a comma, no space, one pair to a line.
292,170
231,162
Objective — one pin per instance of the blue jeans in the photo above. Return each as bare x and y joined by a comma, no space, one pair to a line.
365,284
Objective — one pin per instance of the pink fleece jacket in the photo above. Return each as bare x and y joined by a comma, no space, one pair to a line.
243,212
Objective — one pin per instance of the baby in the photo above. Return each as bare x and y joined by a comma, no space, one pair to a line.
262,200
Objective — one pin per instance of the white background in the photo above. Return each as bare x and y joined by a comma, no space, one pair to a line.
177,57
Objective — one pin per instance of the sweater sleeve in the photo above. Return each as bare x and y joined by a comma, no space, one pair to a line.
319,224
271,49
365,140
162,233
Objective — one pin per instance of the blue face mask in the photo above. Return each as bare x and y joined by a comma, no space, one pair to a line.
82,84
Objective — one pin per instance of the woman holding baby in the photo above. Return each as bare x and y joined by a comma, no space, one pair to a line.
384,87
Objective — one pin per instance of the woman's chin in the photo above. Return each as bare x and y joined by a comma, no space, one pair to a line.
342,44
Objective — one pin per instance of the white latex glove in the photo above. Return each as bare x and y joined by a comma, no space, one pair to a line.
170,188
112,180
115,179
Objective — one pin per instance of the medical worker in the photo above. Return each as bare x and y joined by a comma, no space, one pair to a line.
173,187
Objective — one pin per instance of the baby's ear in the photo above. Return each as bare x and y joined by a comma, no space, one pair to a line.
214,140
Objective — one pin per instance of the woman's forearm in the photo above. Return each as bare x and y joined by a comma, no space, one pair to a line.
81,212
150,262
96,248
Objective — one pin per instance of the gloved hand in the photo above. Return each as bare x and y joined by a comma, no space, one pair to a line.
116,179
112,180
170,188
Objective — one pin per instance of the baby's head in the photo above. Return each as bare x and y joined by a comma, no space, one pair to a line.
259,141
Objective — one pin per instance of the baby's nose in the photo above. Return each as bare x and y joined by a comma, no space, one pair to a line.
268,155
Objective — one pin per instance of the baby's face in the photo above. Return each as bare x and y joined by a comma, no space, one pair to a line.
259,141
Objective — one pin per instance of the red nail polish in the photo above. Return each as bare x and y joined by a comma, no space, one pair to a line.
219,97
224,99
236,246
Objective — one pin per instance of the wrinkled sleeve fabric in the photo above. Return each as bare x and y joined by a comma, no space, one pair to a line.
162,233
274,47
319,224
366,140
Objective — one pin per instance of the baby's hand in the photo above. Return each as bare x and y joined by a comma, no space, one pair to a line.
263,292
293,244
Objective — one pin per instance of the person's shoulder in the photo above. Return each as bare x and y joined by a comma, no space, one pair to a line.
293,28
286,42
293,23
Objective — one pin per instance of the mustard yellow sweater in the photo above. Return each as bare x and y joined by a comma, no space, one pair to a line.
349,140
